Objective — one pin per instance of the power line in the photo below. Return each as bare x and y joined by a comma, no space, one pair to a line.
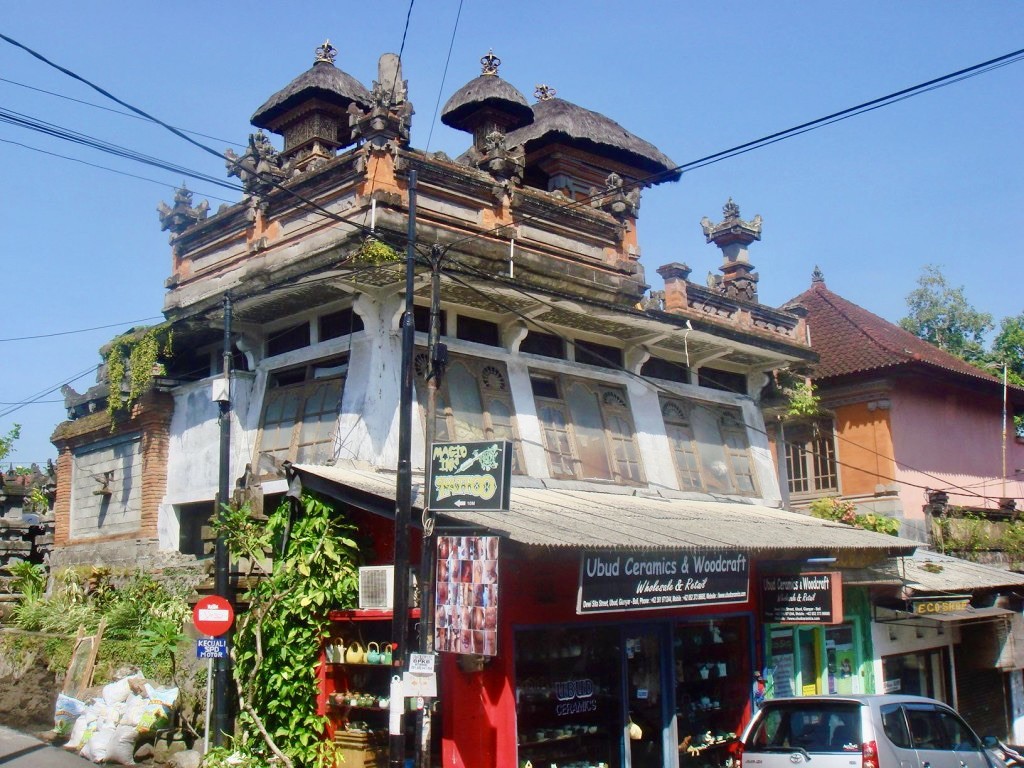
772,138
108,109
112,170
269,180
76,137
81,330
444,76
619,368
32,399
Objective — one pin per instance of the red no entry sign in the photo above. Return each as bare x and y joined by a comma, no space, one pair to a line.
213,615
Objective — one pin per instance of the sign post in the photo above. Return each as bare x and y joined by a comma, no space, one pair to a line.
213,616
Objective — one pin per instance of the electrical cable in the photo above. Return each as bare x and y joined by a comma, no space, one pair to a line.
444,77
112,170
81,330
33,398
108,109
614,365
772,138
270,181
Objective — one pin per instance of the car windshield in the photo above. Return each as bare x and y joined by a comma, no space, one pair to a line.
811,726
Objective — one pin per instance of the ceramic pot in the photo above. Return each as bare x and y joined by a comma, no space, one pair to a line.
386,654
372,653
355,654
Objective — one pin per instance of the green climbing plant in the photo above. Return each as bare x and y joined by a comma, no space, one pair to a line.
373,251
277,641
802,400
840,510
134,359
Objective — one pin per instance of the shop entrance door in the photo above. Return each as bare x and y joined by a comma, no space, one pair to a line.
648,716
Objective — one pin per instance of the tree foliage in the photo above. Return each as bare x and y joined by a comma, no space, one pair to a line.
941,315
7,441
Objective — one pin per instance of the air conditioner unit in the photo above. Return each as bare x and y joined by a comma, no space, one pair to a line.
377,587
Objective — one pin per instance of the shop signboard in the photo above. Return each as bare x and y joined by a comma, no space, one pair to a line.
466,595
633,581
470,476
940,605
802,598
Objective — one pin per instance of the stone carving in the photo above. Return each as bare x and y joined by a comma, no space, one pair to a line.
545,92
506,164
614,199
182,214
390,113
259,168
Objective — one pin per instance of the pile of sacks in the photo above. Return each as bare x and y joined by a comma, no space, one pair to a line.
107,729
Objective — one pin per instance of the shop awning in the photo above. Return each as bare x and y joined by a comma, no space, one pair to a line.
620,519
928,572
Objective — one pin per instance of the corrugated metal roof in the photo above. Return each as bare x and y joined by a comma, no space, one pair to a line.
930,572
622,519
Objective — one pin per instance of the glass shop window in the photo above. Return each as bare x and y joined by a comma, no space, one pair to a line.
713,686
568,696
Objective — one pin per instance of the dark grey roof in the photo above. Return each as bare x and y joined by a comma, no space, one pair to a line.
483,92
322,80
932,572
557,120
570,519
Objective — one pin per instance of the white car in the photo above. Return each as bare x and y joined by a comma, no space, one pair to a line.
861,731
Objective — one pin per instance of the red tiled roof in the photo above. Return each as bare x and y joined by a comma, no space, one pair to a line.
849,339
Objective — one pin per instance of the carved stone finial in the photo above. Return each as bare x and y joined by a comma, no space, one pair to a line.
730,210
259,167
182,214
545,92
326,52
733,235
817,276
617,201
490,64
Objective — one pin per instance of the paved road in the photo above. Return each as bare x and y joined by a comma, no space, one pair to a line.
18,750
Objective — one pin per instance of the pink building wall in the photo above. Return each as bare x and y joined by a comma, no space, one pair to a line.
951,440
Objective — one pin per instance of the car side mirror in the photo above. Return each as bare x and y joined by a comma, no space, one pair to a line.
990,742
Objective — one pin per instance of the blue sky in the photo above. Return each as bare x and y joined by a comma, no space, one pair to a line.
930,180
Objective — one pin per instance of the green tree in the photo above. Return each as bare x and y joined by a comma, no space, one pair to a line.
940,315
1008,347
7,441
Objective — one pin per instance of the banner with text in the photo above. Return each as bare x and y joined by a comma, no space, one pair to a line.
643,581
804,598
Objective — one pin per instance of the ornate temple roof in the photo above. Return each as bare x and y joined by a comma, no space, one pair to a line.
487,92
557,120
323,80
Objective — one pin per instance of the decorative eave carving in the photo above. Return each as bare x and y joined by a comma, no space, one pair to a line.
390,114
182,214
614,199
732,228
259,168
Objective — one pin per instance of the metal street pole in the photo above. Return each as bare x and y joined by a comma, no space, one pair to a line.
436,359
1004,430
221,720
403,499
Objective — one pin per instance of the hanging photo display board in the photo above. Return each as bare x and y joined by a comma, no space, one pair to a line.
634,581
470,476
466,595
802,598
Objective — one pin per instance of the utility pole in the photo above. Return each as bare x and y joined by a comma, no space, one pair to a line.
221,719
437,357
403,500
